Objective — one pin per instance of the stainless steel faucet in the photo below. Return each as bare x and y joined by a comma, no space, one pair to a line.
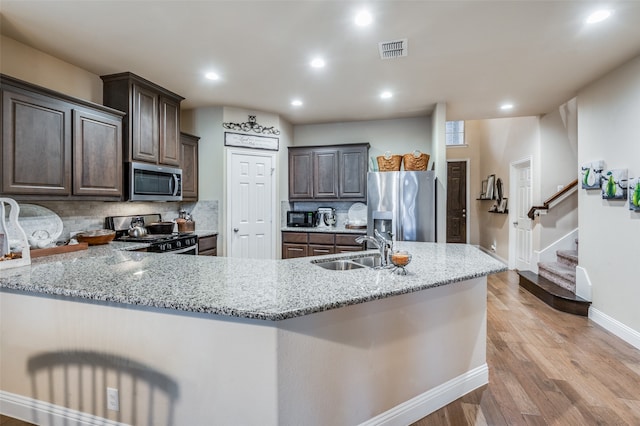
380,242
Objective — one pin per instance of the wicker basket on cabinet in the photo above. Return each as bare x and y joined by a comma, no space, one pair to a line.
389,163
416,161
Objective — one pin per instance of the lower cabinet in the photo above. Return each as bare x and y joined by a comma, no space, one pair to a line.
208,246
302,244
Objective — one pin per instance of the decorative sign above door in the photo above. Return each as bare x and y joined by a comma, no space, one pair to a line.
250,141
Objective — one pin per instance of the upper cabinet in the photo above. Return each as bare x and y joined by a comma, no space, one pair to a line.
189,155
152,123
328,173
58,147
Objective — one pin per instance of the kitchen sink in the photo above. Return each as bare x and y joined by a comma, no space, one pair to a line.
368,261
372,261
338,265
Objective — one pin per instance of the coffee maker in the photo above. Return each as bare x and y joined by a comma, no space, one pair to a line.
326,217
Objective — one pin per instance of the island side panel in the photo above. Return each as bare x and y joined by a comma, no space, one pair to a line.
349,365
204,369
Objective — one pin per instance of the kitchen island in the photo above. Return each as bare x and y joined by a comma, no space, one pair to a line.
246,341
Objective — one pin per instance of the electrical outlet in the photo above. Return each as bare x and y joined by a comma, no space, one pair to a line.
113,402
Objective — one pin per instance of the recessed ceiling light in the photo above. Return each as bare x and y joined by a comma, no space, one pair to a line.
386,95
363,18
317,63
296,102
506,107
598,16
212,76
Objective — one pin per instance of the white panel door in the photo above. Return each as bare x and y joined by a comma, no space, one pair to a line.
250,200
523,224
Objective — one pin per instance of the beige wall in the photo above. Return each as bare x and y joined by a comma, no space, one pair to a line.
25,63
399,136
504,141
609,130
559,160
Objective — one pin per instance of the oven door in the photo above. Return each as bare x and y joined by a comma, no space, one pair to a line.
185,250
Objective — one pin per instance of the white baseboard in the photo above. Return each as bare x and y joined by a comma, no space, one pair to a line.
47,414
424,404
614,326
44,413
493,254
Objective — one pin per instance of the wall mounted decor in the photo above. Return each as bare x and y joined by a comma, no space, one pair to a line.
614,184
591,174
634,194
491,184
502,207
250,141
483,194
251,126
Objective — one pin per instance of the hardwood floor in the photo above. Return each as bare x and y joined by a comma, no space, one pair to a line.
545,368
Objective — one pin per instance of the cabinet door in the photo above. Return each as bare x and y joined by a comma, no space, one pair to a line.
208,246
300,174
325,174
290,251
144,125
353,173
36,145
189,165
97,154
169,132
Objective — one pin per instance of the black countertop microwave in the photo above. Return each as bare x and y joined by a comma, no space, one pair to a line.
301,219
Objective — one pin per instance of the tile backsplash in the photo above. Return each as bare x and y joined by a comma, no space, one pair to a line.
87,215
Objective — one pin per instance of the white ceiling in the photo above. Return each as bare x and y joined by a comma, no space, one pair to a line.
473,55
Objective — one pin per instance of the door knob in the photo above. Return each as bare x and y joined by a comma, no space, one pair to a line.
515,223
235,229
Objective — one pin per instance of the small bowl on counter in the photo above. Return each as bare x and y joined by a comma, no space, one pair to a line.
96,237
400,259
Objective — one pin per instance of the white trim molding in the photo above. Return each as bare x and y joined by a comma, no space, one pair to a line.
583,284
44,413
432,400
614,326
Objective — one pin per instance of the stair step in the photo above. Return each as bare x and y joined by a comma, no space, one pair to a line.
568,257
560,274
553,295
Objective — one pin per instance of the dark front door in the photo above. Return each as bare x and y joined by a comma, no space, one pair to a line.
457,202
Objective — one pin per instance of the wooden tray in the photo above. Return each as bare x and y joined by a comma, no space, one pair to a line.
356,226
58,250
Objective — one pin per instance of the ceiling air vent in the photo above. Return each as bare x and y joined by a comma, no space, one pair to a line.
393,49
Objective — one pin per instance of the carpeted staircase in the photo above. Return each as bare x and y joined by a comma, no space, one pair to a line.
555,283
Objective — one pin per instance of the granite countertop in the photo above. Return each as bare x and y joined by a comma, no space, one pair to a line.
257,289
332,230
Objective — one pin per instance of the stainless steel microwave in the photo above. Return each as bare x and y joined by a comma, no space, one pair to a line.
148,182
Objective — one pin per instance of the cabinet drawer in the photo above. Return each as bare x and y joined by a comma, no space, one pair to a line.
321,238
320,250
347,239
213,252
294,237
207,243
290,251
348,249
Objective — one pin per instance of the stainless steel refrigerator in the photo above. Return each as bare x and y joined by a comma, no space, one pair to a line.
402,204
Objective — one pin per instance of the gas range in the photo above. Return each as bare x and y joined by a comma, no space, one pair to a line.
176,243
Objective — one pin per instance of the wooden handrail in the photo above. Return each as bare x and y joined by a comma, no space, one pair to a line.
547,203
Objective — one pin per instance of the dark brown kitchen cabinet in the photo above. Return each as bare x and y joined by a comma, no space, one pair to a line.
55,147
328,173
189,165
294,244
302,244
97,153
152,130
208,246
